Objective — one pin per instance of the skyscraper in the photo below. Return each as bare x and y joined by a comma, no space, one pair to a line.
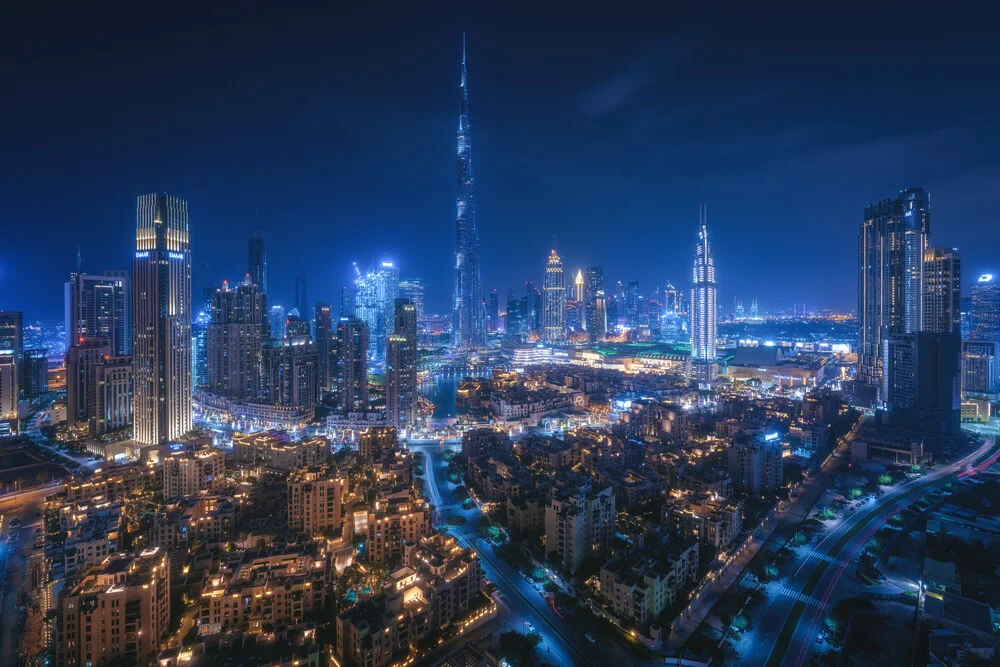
468,326
257,260
325,346
301,296
99,306
235,340
12,343
161,319
942,291
921,381
594,283
704,310
891,242
493,311
534,298
413,290
554,308
578,286
276,320
986,308
290,373
352,365
980,367
8,393
632,300
375,295
401,368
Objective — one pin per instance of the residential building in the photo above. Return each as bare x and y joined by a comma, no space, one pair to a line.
579,524
235,339
393,523
401,391
315,500
275,450
352,365
193,470
985,315
921,383
942,291
755,464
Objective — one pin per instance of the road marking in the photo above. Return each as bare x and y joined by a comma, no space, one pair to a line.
795,595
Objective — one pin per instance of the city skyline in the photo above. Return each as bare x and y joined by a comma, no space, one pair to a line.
659,204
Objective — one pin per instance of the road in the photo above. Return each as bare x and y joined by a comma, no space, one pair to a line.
12,556
795,608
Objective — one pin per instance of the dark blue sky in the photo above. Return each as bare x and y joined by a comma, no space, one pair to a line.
606,127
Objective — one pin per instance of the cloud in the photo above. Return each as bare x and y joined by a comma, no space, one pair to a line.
641,73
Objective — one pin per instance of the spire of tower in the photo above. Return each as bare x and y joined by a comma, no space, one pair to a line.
465,75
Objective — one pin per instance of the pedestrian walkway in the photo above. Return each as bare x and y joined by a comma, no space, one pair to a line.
795,595
827,558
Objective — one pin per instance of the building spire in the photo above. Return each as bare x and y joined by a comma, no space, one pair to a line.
465,74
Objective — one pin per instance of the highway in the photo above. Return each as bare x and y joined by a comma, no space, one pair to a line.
797,605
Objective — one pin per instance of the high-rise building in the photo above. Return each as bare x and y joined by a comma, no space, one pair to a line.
493,311
579,525
161,319
325,345
534,298
599,328
413,290
315,500
755,464
112,393
921,382
594,283
401,368
352,365
980,367
942,291
985,318
891,243
12,340
966,317
704,312
297,330
34,373
8,393
235,339
518,315
81,361
199,348
276,321
375,295
193,470
468,326
578,286
257,260
290,374
632,301
301,296
99,307
554,307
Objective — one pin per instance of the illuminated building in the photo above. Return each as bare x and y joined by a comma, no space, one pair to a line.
755,463
493,311
468,326
297,330
34,373
376,441
554,308
276,320
8,394
518,318
326,346
921,381
578,287
401,397
352,365
594,322
413,290
301,296
450,576
199,348
632,301
315,500
891,243
942,291
275,450
290,374
161,319
985,318
598,326
113,394
980,367
12,347
81,361
257,260
395,522
704,312
193,470
204,520
118,612
99,307
579,524
235,338
375,295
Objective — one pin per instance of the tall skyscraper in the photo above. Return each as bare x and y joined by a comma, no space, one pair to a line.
704,308
594,283
534,306
301,296
891,242
942,291
413,290
493,311
986,308
375,295
921,382
8,393
99,306
325,346
276,320
554,308
468,326
199,348
578,286
161,319
290,373
81,361
352,365
34,373
235,340
401,368
632,301
12,345
257,260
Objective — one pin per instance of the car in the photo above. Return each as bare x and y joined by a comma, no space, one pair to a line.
531,628
819,639
591,638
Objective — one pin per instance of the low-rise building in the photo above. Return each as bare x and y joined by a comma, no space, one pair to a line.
114,482
275,450
579,524
450,576
526,513
193,470
707,518
394,523
207,520
315,500
91,532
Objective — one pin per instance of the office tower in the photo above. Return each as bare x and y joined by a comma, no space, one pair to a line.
34,373
199,348
704,311
755,465
891,242
598,327
12,339
632,300
921,381
673,300
518,318
985,317
612,313
753,310
980,367
493,311
401,368
111,395
8,393
325,345
414,291
297,330
257,260
99,307
301,296
352,365
534,300
468,327
554,307
81,362
966,317
290,374
578,286
117,613
315,500
235,339
276,320
375,296
161,319
594,283
942,291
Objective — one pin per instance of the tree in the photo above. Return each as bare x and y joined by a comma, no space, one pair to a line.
792,472
518,648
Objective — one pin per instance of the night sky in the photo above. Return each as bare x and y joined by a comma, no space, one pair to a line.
604,127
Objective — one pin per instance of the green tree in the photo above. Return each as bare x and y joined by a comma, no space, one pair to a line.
518,648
